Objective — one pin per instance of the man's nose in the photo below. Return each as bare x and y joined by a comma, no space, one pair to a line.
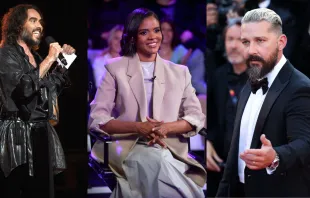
252,49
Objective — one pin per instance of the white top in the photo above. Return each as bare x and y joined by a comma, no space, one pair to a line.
99,67
148,75
250,115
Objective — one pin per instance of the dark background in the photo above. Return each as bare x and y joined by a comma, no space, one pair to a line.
65,20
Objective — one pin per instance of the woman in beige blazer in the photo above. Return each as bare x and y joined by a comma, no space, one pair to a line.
149,108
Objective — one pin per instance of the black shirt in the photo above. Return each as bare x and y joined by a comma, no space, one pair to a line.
235,83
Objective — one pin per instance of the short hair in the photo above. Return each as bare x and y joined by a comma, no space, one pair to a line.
13,22
236,22
264,14
135,18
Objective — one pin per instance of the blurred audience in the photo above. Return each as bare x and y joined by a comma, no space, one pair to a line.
112,51
170,48
186,15
195,64
214,30
103,15
186,54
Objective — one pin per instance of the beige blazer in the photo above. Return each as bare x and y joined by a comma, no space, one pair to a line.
122,96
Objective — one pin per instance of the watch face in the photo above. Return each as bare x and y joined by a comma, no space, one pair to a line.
275,163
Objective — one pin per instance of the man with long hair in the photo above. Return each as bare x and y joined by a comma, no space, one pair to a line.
30,151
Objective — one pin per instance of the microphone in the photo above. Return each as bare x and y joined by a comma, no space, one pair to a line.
61,58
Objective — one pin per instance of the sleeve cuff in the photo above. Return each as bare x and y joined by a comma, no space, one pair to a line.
95,125
270,171
198,124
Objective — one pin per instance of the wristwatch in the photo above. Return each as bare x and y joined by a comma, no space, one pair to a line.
275,162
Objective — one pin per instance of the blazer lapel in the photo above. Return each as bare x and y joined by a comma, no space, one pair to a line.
159,86
136,83
276,88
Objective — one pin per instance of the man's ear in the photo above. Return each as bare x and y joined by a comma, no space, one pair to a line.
282,41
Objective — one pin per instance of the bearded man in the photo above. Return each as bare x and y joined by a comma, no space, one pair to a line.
270,149
30,151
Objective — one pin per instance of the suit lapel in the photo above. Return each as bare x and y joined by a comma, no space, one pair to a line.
276,88
159,86
136,83
244,96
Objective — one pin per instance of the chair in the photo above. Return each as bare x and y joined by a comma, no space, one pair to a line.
196,156
103,170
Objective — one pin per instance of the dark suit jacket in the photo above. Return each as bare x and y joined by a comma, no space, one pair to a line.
218,95
285,120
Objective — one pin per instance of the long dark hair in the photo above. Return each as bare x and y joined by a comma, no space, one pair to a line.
175,36
13,22
135,18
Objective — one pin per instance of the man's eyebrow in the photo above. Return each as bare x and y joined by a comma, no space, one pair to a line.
256,37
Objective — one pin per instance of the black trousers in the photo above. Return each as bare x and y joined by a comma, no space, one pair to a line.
214,179
240,190
19,184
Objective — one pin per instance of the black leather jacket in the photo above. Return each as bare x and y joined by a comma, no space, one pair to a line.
27,100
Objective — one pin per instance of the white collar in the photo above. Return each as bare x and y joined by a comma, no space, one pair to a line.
274,72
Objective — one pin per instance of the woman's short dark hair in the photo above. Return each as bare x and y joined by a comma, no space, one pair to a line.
129,38
175,36
13,22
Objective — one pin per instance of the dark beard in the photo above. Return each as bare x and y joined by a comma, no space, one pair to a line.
26,36
255,72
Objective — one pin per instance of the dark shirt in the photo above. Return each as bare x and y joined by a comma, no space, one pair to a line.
235,85
224,87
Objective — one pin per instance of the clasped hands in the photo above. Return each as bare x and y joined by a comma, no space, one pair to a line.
154,131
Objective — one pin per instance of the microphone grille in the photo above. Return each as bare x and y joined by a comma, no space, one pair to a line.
49,40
